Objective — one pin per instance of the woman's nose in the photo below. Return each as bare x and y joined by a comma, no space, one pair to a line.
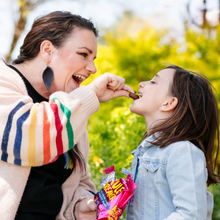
91,67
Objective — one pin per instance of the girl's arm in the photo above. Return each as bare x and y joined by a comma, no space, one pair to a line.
36,134
186,175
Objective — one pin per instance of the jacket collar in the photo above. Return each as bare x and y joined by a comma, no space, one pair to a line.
145,143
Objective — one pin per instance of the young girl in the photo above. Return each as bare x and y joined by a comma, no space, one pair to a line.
175,158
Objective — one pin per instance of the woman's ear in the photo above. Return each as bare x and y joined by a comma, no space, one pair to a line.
46,49
169,104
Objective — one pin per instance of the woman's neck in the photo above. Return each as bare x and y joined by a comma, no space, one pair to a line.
32,71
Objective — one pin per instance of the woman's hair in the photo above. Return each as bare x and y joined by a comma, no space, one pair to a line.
195,118
55,27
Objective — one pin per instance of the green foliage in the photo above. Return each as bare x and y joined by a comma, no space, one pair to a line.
113,136
135,51
215,190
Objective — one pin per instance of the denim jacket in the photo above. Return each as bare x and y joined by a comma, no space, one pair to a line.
171,183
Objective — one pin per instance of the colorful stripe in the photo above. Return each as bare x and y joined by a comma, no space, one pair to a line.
46,137
70,134
18,138
68,161
7,130
69,129
32,136
59,128
31,151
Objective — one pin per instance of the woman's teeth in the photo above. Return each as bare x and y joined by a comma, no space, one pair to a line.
79,77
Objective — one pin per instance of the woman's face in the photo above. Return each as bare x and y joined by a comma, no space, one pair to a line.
73,62
154,94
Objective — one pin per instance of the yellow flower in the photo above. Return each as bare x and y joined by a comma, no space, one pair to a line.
97,161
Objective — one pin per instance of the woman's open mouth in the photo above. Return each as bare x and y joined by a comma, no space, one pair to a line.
79,79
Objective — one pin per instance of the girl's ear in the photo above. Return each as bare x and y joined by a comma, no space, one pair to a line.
46,49
169,104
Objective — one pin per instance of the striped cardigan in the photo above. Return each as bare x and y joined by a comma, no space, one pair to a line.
36,134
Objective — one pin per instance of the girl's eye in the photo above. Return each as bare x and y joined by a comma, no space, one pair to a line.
152,82
84,54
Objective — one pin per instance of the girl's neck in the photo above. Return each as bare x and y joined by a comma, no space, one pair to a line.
155,119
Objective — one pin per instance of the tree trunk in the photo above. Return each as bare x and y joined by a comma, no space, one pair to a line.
19,28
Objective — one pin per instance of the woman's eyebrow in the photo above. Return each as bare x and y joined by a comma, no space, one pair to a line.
86,49
90,52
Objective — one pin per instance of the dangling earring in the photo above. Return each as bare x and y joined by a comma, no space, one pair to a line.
48,77
159,108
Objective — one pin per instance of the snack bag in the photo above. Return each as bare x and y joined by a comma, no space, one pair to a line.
113,197
110,175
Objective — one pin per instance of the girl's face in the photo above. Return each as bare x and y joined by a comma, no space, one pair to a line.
73,62
155,95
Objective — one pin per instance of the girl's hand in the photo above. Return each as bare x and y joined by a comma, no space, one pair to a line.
86,210
109,86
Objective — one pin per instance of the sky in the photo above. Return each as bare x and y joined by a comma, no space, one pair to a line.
105,13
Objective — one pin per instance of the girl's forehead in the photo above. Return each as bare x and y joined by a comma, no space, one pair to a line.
165,75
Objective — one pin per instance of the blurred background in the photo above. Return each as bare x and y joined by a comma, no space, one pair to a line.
137,39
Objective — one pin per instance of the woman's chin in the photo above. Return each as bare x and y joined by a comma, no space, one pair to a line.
69,88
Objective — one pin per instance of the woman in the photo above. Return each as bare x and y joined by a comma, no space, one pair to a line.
44,113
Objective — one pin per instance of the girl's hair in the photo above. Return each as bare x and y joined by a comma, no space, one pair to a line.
195,117
55,27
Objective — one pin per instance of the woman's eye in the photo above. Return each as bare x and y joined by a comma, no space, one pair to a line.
84,54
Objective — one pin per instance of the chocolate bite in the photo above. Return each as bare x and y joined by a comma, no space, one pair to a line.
134,96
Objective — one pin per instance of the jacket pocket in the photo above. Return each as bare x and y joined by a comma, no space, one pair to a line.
149,169
151,165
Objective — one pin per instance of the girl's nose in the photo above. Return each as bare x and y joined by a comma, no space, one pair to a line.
91,68
142,84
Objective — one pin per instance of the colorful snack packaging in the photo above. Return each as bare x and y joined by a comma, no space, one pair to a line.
110,175
113,197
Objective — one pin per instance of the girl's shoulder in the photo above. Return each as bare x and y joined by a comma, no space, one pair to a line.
185,148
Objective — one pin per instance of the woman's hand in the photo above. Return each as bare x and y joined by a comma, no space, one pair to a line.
86,210
109,86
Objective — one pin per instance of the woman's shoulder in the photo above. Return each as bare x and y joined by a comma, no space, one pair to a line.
11,78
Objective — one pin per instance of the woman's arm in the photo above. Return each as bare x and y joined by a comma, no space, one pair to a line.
36,134
186,175
76,189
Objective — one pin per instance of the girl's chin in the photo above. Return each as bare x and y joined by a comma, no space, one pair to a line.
132,109
135,111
